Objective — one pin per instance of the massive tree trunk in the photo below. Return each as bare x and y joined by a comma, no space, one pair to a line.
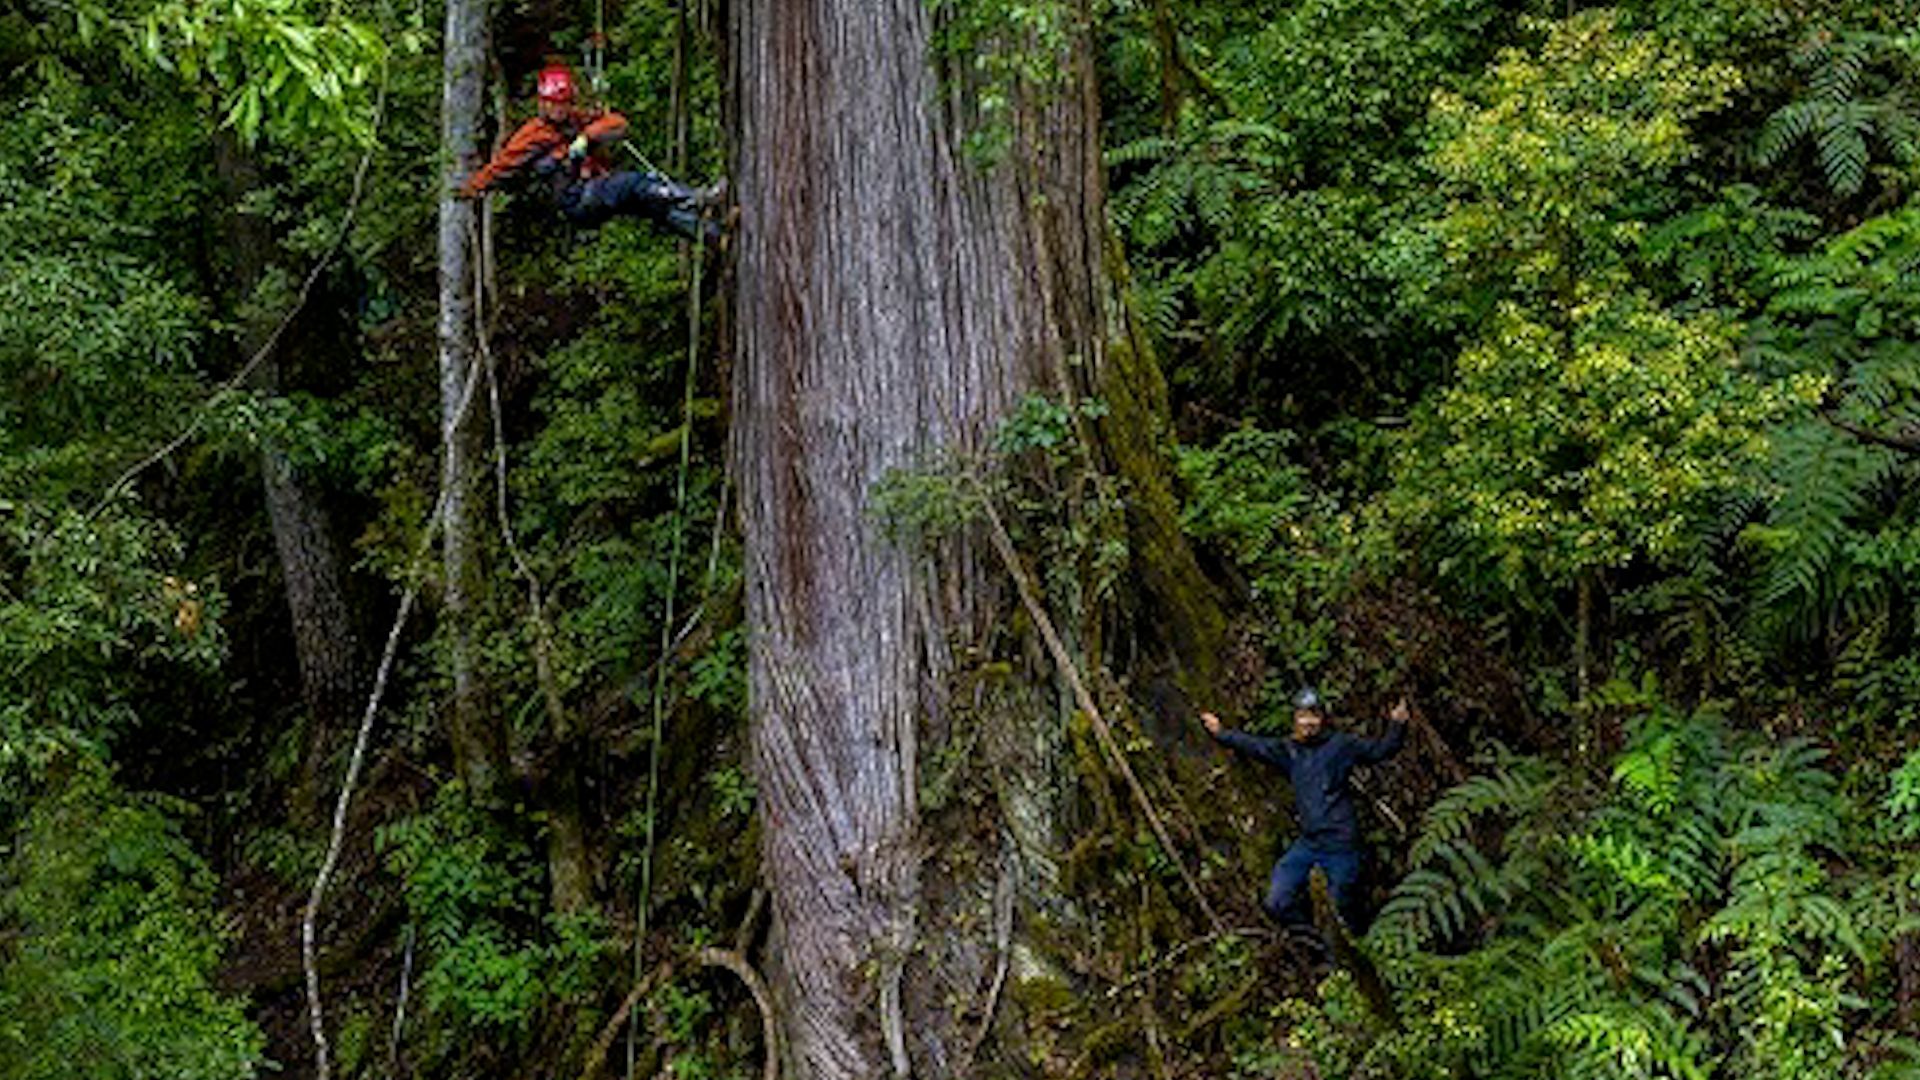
894,298
326,639
478,749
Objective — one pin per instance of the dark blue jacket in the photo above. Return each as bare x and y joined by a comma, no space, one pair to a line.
1318,769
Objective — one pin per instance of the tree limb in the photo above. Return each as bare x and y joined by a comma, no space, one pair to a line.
309,923
597,1057
1904,443
1182,949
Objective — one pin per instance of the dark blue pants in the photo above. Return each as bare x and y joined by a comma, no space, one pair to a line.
1287,899
643,195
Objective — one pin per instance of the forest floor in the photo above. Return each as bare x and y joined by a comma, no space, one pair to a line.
361,941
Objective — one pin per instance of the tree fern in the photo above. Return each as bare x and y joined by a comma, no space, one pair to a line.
1823,482
1581,942
1515,787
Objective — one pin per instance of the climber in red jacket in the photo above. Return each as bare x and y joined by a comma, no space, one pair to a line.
565,145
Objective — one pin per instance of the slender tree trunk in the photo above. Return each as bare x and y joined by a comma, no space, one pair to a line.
326,644
478,747
894,299
1166,34
326,640
1583,636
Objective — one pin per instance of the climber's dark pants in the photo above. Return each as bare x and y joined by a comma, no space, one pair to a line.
643,195
1287,898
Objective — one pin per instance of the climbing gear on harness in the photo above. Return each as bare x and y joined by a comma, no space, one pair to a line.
577,149
594,49
593,57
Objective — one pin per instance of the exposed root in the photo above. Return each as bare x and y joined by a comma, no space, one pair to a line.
769,1020
1366,977
1003,897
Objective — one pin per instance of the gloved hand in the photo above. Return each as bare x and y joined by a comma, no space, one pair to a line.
578,148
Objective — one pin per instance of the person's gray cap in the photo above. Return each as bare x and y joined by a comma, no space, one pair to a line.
1308,698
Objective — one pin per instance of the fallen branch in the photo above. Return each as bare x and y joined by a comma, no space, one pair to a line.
743,937
1439,746
309,950
1366,977
1181,950
1906,444
1156,1053
597,1057
1360,785
400,1007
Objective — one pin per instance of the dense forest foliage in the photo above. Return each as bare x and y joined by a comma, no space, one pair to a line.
1554,365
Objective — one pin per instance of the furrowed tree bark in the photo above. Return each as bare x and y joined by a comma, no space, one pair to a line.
479,749
894,299
326,639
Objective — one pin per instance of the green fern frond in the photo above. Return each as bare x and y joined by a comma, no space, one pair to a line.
1786,128
1825,480
1842,143
1840,114
1425,906
1837,77
1685,925
1516,791
1900,127
1149,148
1643,1041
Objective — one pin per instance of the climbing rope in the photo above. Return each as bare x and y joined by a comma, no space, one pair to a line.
645,896
644,160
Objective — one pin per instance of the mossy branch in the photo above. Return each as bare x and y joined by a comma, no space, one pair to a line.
1030,599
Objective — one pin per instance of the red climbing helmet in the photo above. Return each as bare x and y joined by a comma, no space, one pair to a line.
555,84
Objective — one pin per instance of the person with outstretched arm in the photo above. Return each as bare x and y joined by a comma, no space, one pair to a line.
1318,763
566,145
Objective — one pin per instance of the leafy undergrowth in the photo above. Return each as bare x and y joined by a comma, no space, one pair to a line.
1717,906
